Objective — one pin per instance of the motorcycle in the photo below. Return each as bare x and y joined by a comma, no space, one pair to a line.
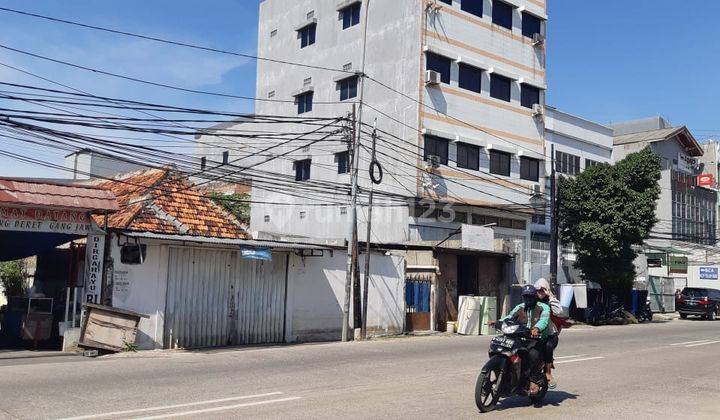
644,313
504,374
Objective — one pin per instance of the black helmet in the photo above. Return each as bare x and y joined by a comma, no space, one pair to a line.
529,290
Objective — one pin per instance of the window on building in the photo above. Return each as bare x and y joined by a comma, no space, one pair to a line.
273,33
343,162
302,170
307,35
468,156
439,64
694,210
502,14
470,77
500,87
474,7
348,88
500,163
305,102
203,163
529,169
351,15
226,157
529,95
589,163
531,25
446,1
539,219
436,146
566,163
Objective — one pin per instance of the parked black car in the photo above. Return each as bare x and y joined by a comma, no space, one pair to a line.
699,301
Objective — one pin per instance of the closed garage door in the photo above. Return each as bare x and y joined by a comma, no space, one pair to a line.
217,298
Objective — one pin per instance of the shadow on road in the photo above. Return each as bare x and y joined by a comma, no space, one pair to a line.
553,398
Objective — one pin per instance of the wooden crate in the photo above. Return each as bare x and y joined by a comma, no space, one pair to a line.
108,328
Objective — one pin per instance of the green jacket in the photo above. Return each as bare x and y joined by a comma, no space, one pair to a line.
540,318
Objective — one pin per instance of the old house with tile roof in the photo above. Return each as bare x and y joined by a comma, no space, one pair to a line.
180,258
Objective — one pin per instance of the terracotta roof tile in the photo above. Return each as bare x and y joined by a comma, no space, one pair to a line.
163,201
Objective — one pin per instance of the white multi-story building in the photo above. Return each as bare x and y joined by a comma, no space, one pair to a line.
577,143
464,89
456,91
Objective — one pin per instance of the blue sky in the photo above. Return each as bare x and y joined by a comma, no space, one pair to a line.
608,61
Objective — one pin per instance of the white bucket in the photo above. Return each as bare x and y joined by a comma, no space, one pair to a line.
450,327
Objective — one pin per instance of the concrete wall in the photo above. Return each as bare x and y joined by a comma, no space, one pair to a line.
142,288
315,293
316,290
92,165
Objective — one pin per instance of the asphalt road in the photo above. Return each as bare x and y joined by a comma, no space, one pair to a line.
659,371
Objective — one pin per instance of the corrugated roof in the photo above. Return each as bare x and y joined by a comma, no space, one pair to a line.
648,136
228,242
166,202
33,192
684,136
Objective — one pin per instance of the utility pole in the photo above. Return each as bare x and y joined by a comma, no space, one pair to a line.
366,280
553,220
352,231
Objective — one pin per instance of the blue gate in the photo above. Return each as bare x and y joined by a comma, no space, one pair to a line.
417,296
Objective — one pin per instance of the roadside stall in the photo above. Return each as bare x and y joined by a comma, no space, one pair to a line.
48,227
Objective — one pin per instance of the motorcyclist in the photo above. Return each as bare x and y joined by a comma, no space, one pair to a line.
536,316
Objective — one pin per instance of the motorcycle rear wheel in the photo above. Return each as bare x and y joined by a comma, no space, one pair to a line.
487,389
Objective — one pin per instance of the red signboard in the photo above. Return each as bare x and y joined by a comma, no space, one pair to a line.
706,180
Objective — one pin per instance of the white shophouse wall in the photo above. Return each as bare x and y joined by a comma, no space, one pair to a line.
316,290
315,293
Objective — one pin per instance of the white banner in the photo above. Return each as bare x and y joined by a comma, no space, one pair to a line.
38,219
95,252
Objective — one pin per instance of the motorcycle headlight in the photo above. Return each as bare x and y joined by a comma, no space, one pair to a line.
510,329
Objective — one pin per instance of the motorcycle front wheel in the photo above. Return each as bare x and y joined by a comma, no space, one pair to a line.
487,387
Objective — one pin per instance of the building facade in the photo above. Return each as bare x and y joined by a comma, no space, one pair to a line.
686,232
577,143
455,90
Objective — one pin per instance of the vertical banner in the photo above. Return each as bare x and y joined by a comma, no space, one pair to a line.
94,268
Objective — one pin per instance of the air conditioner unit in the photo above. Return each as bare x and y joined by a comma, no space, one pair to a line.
538,110
432,162
535,189
538,40
432,77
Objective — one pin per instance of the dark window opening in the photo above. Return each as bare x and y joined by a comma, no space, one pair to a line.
531,25
468,156
470,78
133,254
568,164
500,163
502,14
348,88
529,169
474,7
529,96
343,162
446,1
436,146
307,35
302,170
203,163
439,64
351,15
305,102
226,157
500,87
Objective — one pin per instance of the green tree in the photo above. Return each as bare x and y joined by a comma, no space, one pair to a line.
12,278
607,210
236,204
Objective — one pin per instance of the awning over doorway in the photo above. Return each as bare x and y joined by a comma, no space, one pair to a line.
17,245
